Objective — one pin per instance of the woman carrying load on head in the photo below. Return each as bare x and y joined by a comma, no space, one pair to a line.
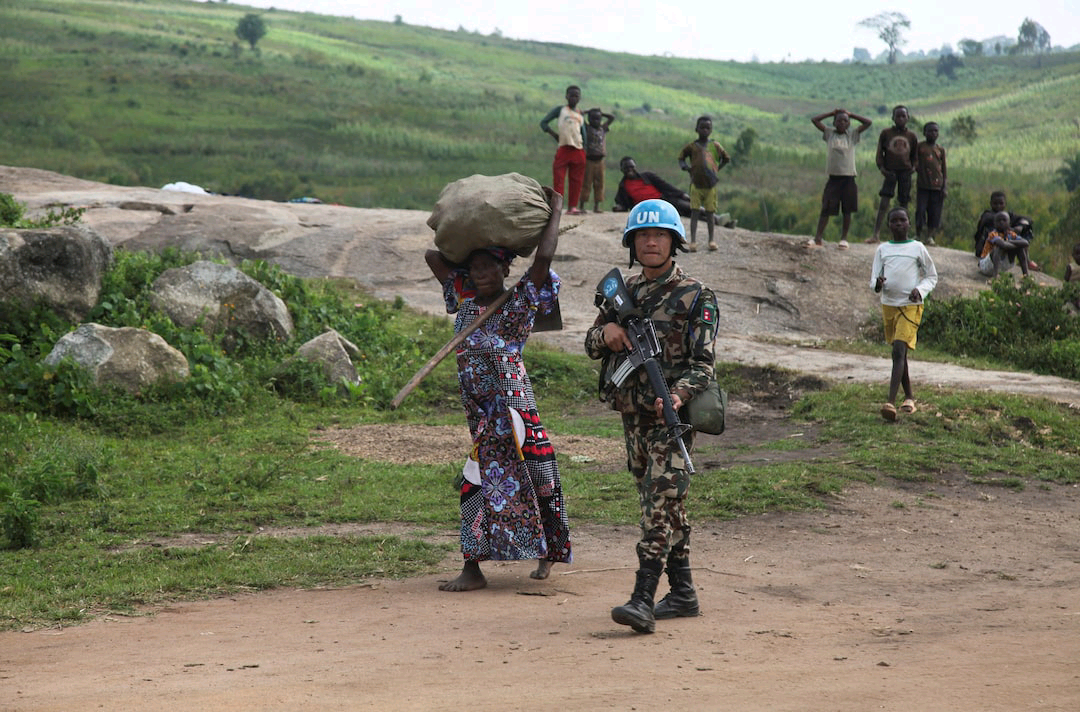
511,498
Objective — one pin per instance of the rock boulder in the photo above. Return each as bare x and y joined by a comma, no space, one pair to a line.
127,358
224,300
61,267
335,354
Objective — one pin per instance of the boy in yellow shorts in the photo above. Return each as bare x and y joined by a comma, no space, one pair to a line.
702,159
903,274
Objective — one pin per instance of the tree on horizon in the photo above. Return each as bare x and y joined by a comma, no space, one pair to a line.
889,27
1032,37
251,28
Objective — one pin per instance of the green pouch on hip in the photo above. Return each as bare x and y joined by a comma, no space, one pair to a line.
707,409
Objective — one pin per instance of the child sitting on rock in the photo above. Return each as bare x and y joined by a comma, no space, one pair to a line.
1003,246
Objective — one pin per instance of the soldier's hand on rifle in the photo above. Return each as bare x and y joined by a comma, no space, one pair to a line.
676,403
615,337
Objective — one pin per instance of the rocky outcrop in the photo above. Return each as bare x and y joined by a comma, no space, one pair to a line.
770,288
223,300
60,267
126,358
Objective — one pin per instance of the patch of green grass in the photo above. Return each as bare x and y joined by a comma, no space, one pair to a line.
1013,483
979,433
787,486
81,579
603,496
788,444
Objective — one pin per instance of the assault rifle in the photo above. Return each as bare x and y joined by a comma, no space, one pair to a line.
644,349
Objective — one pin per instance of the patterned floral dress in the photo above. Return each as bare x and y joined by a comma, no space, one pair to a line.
517,510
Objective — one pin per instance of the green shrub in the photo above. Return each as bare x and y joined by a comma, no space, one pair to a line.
62,470
303,380
18,518
11,211
1023,324
44,468
27,335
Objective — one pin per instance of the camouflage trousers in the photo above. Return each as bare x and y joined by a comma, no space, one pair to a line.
662,484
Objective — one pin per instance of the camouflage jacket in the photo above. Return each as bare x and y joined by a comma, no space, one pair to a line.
683,312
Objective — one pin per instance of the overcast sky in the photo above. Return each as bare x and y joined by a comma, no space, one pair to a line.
779,30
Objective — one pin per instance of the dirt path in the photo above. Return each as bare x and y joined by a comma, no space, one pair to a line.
941,596
957,601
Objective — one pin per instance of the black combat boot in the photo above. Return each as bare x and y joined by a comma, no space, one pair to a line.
681,601
638,611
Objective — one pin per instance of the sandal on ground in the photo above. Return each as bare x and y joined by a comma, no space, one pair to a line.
908,406
842,245
811,244
888,412
871,241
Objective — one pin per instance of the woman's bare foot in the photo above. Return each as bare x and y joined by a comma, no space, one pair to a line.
543,568
470,579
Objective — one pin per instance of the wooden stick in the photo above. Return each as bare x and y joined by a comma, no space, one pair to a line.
450,346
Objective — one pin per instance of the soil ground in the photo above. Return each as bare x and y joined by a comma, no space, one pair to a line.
934,596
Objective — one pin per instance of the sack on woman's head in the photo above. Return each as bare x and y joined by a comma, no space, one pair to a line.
509,210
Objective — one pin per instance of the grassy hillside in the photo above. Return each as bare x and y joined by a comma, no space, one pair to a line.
377,114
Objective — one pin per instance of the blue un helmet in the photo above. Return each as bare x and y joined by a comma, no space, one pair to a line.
654,213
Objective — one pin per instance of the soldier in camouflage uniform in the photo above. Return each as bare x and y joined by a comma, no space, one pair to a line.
683,312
